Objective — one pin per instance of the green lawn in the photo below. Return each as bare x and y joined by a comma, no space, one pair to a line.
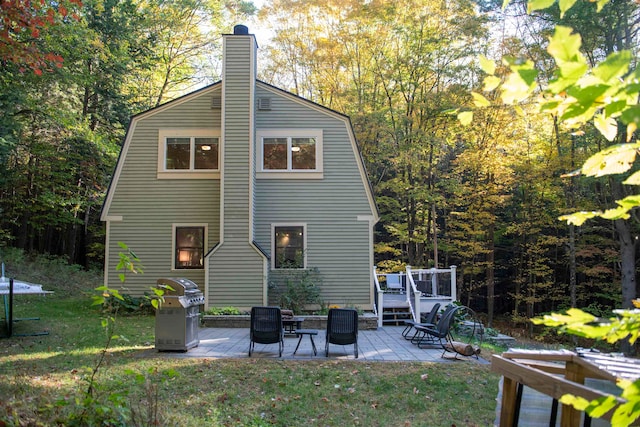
43,381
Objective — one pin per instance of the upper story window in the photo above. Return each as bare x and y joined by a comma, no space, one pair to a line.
290,153
189,153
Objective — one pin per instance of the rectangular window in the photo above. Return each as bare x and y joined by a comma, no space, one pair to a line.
289,244
178,156
189,247
206,154
275,153
290,153
189,154
303,153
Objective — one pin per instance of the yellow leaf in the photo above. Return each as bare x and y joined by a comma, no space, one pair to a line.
631,128
634,179
465,117
565,5
612,160
607,126
490,83
515,89
479,100
571,174
487,65
519,111
578,218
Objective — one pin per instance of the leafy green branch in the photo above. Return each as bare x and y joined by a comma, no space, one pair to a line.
606,95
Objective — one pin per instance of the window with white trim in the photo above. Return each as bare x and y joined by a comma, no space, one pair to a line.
188,153
289,151
189,244
289,246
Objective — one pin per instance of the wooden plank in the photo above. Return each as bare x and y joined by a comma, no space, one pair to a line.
543,382
575,372
543,365
507,410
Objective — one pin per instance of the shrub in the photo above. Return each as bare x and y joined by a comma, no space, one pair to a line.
300,288
222,311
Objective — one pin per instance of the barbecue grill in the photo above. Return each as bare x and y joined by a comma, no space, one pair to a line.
177,318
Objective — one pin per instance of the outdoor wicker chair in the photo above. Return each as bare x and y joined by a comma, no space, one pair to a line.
266,328
342,328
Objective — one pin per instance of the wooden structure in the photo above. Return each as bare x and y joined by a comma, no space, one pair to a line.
420,290
556,373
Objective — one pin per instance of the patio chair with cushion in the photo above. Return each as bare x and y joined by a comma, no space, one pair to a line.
342,328
394,282
266,328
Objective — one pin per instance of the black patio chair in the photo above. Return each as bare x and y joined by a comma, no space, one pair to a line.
342,328
420,335
266,328
428,320
441,333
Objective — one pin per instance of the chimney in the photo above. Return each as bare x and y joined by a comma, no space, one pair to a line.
238,130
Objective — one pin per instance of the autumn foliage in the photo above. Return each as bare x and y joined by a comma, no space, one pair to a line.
22,23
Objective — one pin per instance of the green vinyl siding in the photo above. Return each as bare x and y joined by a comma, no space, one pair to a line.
329,204
337,243
237,270
150,206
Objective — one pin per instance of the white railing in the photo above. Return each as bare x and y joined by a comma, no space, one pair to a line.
378,303
423,287
427,286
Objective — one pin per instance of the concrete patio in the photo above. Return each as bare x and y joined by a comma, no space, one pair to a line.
382,345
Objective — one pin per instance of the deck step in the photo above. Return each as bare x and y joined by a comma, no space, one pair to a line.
396,315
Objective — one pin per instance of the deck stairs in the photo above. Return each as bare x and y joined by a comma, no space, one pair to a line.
395,312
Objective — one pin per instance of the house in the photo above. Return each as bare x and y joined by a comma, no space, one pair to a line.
233,185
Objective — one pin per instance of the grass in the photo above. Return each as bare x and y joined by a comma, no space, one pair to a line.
43,381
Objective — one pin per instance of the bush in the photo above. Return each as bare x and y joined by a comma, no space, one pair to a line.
130,305
222,311
301,288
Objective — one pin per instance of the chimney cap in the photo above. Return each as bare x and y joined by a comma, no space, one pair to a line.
240,30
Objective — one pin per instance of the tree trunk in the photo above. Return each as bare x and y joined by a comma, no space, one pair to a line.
490,274
627,260
435,236
572,266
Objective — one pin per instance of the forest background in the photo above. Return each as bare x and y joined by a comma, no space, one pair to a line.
485,197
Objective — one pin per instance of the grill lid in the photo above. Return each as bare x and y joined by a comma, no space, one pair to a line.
180,286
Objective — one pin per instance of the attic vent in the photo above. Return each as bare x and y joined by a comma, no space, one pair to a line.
216,103
264,104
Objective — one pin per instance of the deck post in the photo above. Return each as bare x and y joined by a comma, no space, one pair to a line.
453,283
380,297
417,315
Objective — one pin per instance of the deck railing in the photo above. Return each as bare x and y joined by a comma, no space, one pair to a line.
423,287
556,373
378,297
